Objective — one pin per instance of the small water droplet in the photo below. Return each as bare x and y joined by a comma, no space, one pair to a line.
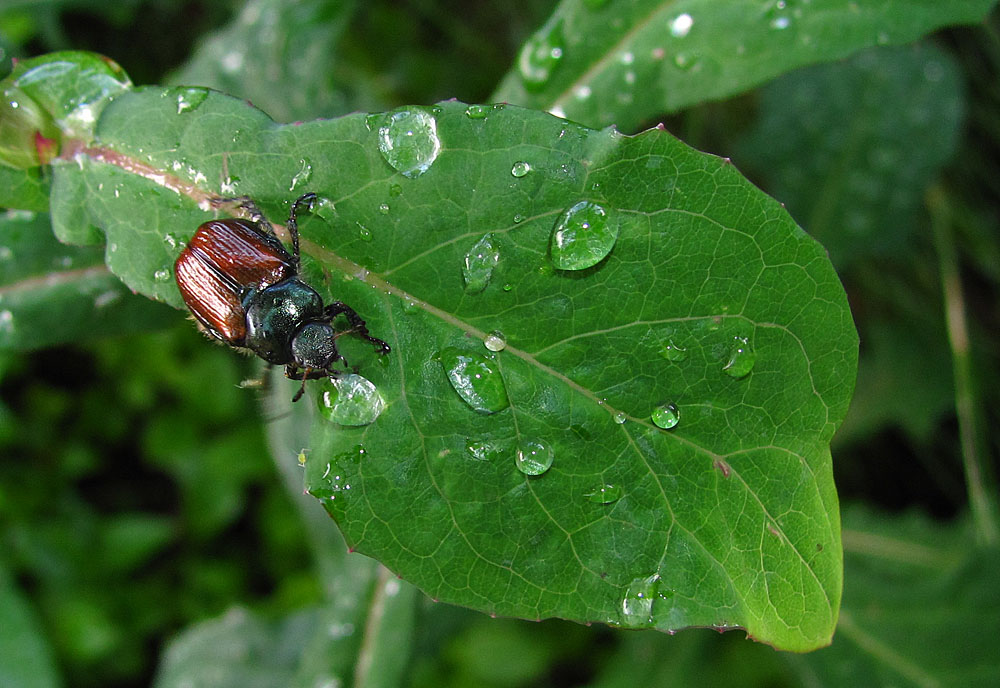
477,111
477,267
741,358
161,275
188,99
620,417
520,169
507,286
518,218
582,236
673,352
495,341
534,457
681,25
666,416
475,378
364,233
637,605
350,400
303,176
323,208
384,208
605,494
483,450
408,140
395,190
541,54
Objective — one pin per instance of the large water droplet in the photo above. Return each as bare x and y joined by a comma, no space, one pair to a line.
637,605
605,494
350,400
741,358
476,379
673,352
477,268
582,236
520,168
666,416
540,55
188,99
495,341
303,176
408,140
534,457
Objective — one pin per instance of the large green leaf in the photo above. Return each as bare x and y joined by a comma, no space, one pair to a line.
628,61
25,656
442,225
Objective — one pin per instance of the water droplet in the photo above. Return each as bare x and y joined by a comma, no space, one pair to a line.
323,208
188,99
518,218
541,54
350,400
408,141
303,176
508,286
672,352
477,268
483,450
364,233
681,25
520,169
476,379
495,341
637,605
534,457
620,417
582,236
741,358
778,19
161,275
477,111
395,190
666,416
384,208
605,494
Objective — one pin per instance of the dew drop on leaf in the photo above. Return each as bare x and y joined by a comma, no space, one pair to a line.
350,400
741,358
161,275
477,267
384,208
483,450
520,168
495,341
666,416
540,55
188,99
475,378
605,494
681,25
477,111
303,176
582,236
534,457
637,605
408,140
324,208
620,418
672,352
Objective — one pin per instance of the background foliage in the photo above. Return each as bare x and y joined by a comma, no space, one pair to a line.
136,501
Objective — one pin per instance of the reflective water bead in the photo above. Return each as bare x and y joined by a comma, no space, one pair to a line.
534,457
408,140
666,416
582,236
475,378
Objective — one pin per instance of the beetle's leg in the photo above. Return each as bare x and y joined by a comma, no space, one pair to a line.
291,372
293,223
247,204
357,324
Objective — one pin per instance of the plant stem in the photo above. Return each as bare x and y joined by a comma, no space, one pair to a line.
980,482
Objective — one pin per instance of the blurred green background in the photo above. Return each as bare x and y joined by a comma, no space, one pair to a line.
136,493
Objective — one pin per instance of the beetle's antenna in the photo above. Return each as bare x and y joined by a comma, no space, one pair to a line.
293,224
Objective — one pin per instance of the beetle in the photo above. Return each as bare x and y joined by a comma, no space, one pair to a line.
243,288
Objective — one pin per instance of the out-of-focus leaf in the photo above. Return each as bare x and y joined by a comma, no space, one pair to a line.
921,607
628,61
25,657
878,130
282,57
682,291
51,293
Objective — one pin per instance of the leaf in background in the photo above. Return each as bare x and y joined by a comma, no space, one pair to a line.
712,307
51,293
283,58
921,607
25,657
879,129
631,61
